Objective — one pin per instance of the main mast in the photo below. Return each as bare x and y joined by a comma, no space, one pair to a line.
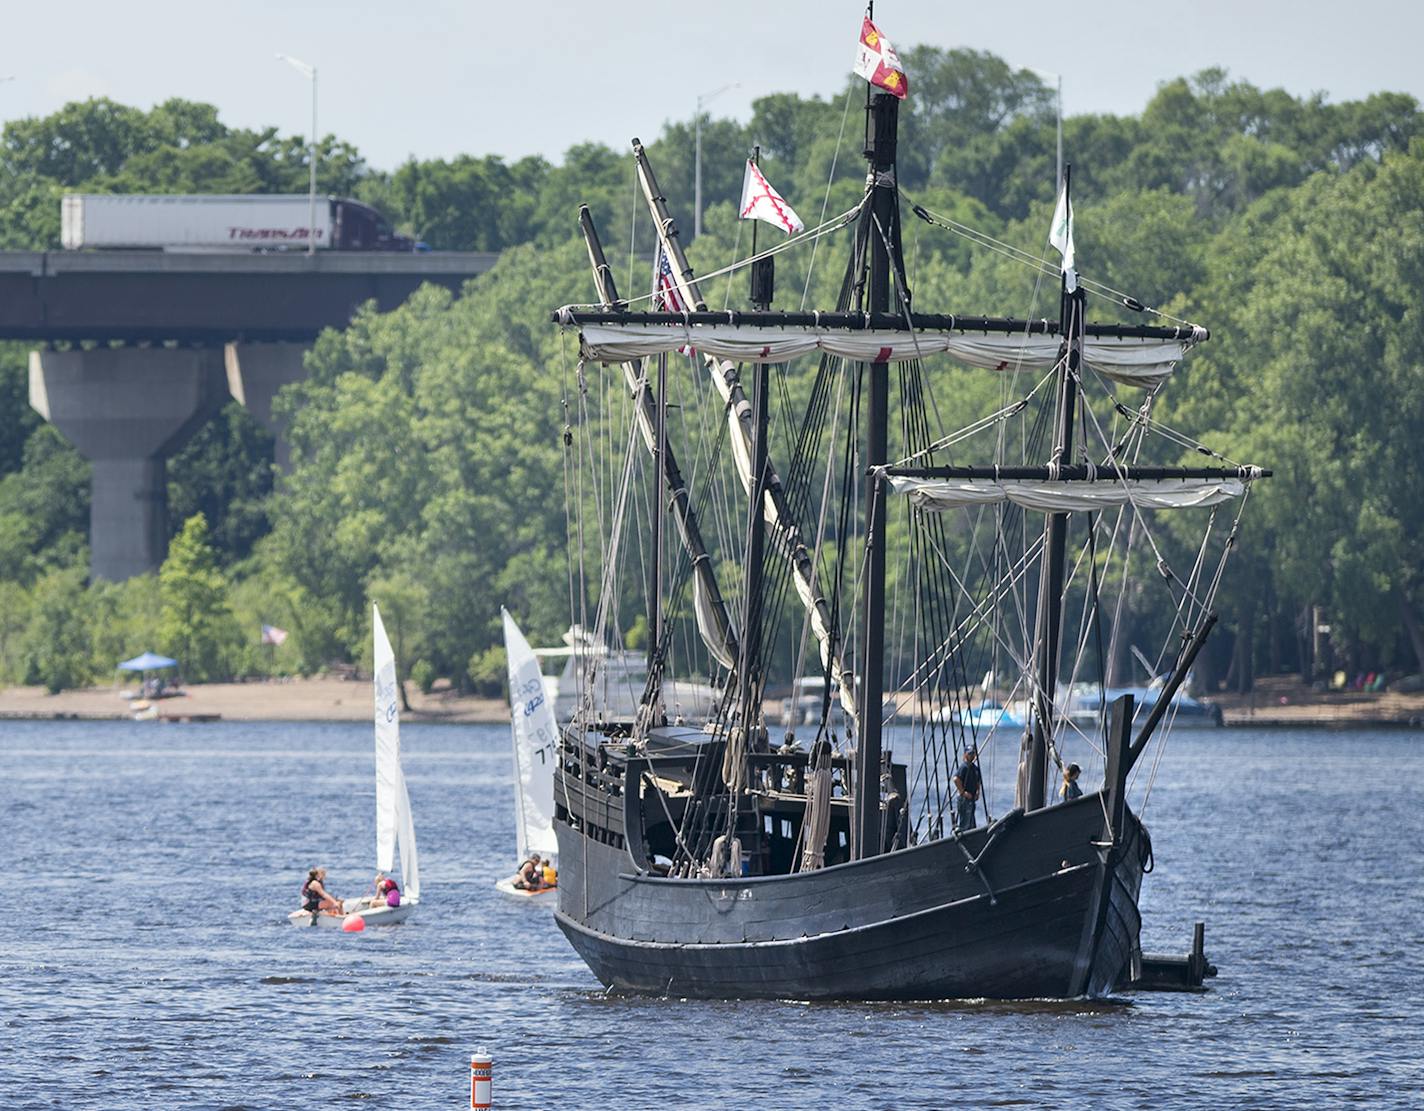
880,127
752,670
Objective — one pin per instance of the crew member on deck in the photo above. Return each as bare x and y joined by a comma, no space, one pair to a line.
1070,789
967,782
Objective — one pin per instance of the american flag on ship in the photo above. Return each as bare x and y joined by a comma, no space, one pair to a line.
666,297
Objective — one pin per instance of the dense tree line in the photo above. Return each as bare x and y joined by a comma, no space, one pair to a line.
428,442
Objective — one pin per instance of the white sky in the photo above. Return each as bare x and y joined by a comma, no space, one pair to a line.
435,78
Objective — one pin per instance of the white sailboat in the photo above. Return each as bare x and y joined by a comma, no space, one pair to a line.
395,829
535,735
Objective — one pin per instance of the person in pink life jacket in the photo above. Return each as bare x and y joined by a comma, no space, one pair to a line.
387,893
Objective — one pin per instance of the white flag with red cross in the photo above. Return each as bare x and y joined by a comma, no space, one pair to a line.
761,202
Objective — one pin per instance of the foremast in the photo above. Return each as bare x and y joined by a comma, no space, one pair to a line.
1049,630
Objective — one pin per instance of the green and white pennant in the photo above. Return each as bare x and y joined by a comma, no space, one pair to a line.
1060,235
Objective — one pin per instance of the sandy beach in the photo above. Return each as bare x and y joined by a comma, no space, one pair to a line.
322,699
1277,701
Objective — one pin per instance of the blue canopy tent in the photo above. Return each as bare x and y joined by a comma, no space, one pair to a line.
149,661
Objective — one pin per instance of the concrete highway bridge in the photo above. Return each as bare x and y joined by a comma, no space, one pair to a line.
136,350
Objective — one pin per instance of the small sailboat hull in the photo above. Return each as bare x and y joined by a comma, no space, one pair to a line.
374,916
916,924
545,895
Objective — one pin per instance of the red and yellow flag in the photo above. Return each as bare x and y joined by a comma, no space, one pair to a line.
877,62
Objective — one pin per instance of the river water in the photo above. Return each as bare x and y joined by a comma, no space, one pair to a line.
145,959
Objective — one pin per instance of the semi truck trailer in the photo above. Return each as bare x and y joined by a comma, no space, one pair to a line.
244,222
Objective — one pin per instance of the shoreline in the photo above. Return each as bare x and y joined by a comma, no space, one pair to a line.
1278,702
300,700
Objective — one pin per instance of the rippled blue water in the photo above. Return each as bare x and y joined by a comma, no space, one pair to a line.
145,960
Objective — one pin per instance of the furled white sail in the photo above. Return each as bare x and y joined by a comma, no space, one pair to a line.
725,378
535,734
1132,361
394,827
938,494
709,626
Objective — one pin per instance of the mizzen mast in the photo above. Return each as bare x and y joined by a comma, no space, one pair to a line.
713,620
728,383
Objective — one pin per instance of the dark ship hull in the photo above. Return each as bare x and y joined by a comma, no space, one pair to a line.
1049,911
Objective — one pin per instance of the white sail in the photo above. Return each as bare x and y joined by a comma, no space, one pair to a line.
535,735
405,839
394,828
1132,361
938,494
709,627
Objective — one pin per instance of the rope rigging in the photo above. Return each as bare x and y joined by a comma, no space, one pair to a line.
963,636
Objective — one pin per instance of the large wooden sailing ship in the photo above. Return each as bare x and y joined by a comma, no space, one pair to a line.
705,858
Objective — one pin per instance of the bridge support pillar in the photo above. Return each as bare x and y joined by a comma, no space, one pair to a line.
255,372
127,409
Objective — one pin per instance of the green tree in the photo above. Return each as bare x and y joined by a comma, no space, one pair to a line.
196,625
225,472
56,647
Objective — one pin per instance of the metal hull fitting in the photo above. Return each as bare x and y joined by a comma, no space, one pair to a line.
1050,912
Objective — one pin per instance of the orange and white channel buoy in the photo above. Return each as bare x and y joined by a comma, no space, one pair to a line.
481,1080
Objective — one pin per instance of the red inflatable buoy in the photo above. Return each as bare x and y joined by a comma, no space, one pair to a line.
353,923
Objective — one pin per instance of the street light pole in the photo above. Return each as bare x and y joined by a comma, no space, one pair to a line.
1060,128
1058,79
310,73
702,98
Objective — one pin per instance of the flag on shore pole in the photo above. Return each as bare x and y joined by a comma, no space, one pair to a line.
877,62
273,635
761,202
1060,235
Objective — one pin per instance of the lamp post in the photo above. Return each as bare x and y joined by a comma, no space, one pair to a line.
702,98
310,73
1058,79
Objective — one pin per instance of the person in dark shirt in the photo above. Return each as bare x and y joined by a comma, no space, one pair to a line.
1070,789
967,784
